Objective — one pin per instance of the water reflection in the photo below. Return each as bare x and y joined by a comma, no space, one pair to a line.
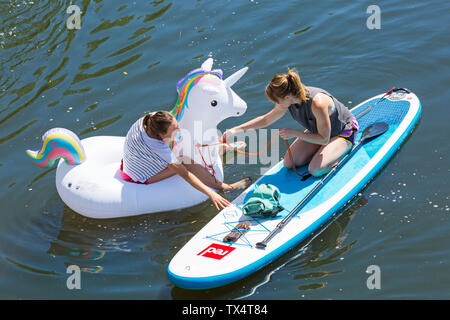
88,242
327,248
31,269
69,244
34,35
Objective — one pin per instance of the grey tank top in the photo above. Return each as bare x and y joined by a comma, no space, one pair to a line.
341,118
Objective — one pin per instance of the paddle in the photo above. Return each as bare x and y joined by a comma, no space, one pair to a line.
372,131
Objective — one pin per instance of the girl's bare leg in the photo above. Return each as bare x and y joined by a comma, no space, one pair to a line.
302,152
328,156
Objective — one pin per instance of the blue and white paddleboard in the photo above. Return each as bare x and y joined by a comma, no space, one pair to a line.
207,262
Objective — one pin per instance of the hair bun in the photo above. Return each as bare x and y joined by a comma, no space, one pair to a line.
157,123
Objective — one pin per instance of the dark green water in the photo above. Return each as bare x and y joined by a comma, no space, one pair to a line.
126,59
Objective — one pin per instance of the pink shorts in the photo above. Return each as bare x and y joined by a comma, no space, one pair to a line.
127,177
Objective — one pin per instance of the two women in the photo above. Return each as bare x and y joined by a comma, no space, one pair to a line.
330,133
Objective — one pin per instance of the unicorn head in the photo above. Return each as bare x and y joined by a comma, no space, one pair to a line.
203,96
204,100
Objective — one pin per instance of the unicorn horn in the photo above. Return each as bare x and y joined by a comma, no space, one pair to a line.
235,77
207,65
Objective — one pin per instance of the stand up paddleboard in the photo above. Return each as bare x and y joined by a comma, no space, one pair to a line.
206,261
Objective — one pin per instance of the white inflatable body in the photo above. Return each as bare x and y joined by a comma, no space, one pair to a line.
96,189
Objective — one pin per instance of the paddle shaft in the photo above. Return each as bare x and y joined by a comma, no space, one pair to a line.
280,226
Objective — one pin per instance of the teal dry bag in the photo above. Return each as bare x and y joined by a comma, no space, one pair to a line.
264,202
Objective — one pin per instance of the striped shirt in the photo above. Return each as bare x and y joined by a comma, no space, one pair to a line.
143,156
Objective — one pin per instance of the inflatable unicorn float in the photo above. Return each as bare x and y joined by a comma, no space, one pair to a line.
88,178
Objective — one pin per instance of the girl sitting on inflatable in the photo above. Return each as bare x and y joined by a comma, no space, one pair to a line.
148,158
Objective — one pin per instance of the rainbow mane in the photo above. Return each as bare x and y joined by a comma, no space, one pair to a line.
58,143
185,85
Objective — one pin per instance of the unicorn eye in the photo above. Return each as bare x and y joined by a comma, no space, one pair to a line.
214,103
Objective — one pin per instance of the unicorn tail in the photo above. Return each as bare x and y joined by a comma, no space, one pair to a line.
58,143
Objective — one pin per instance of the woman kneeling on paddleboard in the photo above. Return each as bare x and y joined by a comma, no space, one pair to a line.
147,158
330,126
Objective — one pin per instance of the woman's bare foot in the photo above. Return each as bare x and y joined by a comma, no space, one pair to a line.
239,185
225,147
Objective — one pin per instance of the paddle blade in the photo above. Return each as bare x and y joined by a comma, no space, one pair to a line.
374,130
261,245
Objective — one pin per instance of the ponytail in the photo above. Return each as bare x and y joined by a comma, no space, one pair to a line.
283,84
298,90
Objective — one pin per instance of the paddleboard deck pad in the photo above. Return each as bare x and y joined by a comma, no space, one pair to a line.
206,261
